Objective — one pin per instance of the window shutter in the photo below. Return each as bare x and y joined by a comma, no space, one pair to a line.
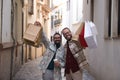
30,7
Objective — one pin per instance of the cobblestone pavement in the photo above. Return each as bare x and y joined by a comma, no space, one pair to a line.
30,71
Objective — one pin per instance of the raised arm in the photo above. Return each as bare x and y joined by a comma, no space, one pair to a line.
45,40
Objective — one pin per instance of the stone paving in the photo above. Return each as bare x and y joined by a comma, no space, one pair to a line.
30,71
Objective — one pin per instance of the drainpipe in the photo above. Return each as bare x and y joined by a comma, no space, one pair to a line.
12,35
26,17
1,17
22,32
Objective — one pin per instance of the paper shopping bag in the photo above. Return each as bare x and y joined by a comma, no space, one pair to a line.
81,38
80,28
78,31
32,35
90,38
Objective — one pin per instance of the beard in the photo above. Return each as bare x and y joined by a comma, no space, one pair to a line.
57,45
68,38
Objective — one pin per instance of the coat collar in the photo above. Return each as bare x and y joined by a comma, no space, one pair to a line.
53,47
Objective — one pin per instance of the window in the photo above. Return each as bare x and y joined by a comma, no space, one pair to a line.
119,18
6,17
57,18
113,19
16,21
38,13
52,22
68,5
109,19
92,10
30,6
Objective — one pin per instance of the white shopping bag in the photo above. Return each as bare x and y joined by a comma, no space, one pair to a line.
89,36
93,28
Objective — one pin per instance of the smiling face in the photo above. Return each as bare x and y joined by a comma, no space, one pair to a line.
67,34
57,38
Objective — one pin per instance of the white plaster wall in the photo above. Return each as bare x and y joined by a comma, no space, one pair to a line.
71,20
105,59
65,20
65,16
6,27
86,10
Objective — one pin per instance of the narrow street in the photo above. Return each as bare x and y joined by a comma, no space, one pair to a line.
94,23
30,71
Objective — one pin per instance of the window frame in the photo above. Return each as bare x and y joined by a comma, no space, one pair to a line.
31,7
109,18
112,26
118,18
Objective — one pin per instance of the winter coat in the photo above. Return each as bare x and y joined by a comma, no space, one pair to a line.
48,55
77,51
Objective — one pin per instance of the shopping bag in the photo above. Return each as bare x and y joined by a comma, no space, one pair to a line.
93,28
80,28
78,31
32,35
81,38
89,37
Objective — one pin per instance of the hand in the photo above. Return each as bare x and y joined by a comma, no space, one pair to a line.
57,63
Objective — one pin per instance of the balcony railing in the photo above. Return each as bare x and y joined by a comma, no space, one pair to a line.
57,22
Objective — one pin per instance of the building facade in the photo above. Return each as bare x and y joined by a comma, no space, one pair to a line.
15,15
104,60
11,56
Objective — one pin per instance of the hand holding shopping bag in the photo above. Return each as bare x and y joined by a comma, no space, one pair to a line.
81,37
90,35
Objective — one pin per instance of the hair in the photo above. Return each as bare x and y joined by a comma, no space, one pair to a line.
57,33
64,29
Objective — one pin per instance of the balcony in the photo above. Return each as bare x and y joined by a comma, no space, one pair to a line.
44,4
57,22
